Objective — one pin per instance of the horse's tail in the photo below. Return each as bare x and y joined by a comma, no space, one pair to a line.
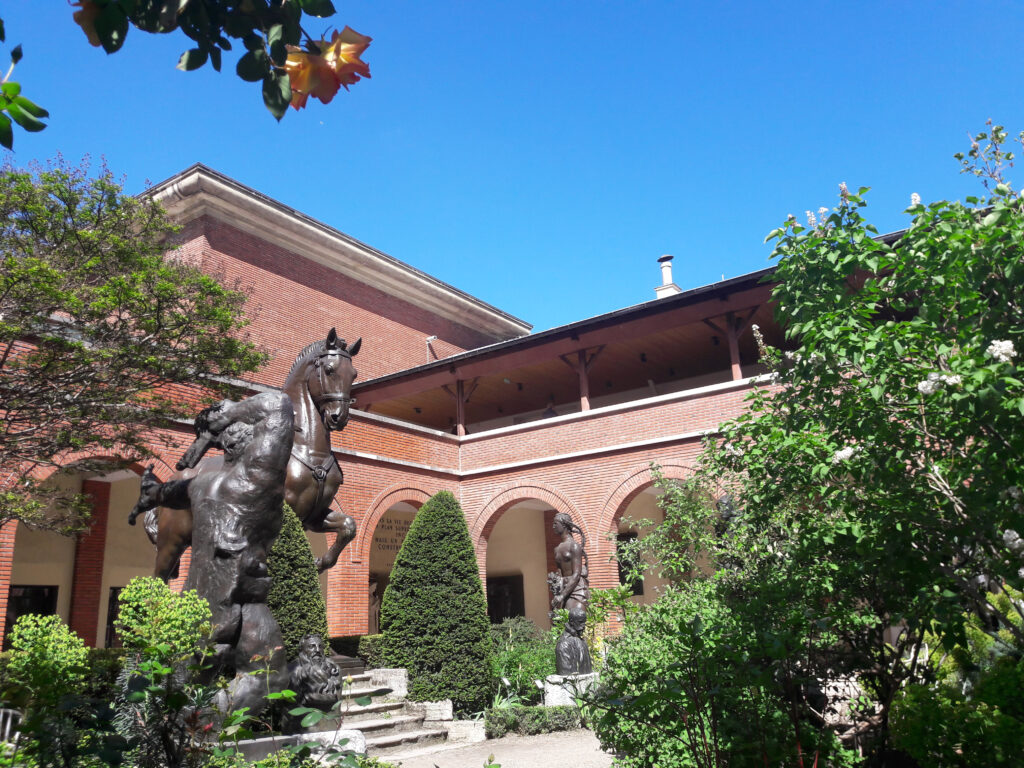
151,523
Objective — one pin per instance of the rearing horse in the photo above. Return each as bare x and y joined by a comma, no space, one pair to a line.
319,385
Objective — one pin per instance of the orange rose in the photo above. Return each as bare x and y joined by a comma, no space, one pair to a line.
85,17
321,75
342,54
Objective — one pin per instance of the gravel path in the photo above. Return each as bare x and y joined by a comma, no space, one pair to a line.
578,749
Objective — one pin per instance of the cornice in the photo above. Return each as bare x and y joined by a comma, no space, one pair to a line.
199,191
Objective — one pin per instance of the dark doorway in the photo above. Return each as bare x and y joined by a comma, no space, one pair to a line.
112,639
505,597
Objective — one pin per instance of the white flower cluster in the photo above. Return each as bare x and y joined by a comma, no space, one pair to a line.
935,381
915,200
1002,351
843,191
812,222
796,357
844,454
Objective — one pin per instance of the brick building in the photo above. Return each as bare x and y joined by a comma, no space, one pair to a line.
453,394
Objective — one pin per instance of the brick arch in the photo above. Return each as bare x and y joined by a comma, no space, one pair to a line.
631,485
384,501
492,511
161,468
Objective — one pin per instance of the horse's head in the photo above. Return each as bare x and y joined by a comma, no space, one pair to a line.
329,378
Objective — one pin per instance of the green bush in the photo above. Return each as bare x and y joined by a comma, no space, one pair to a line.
671,678
973,712
295,598
47,660
46,671
103,666
523,654
152,615
369,651
434,614
529,721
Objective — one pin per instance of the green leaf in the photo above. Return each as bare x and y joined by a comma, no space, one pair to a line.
320,8
192,59
278,50
31,107
993,218
16,54
6,133
11,90
312,718
277,93
215,59
24,119
112,27
253,66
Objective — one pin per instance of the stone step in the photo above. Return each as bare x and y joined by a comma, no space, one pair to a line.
376,693
380,746
353,713
382,726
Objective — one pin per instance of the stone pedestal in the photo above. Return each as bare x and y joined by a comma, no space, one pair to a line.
561,690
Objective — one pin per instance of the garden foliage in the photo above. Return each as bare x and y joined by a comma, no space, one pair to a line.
295,598
97,318
875,508
522,656
159,707
529,721
434,614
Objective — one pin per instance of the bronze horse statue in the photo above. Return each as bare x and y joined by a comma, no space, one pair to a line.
319,385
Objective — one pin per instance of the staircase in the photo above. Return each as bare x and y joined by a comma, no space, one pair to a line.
389,723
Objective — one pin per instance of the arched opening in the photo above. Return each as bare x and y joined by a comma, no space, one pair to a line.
387,540
630,525
518,553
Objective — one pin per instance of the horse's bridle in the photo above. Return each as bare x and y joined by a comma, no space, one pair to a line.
327,397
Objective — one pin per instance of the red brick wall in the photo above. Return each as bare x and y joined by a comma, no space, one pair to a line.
369,435
7,537
595,489
294,300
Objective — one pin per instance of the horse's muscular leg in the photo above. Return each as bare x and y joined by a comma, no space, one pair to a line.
167,560
341,524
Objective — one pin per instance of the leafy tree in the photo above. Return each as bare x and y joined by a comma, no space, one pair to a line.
98,324
295,598
875,502
434,614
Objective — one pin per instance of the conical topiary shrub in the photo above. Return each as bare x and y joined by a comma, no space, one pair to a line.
295,598
434,614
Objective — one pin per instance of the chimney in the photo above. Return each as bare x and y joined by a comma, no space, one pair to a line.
667,287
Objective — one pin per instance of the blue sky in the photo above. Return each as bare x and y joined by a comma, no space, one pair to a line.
542,155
